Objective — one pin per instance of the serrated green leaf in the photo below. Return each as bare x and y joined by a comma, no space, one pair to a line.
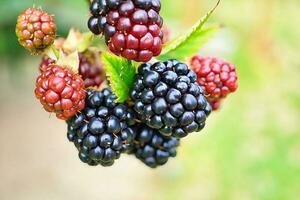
121,74
190,42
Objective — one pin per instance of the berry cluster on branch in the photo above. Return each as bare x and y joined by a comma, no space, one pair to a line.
124,87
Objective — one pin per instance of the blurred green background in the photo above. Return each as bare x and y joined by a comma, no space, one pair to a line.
248,150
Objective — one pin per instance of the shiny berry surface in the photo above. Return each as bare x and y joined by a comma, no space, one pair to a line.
91,72
46,61
167,98
152,148
217,77
102,131
60,91
132,28
35,29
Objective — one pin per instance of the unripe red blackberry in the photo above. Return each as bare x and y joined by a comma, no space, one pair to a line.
152,148
167,34
217,77
215,103
132,28
60,91
36,30
90,72
46,61
168,98
102,130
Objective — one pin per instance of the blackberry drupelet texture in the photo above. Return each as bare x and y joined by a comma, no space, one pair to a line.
45,62
91,73
152,148
132,28
217,77
168,98
103,130
60,91
36,30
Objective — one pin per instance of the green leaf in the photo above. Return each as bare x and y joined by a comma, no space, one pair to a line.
190,42
121,75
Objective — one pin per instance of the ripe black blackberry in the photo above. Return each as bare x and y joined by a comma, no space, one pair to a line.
103,130
152,148
168,98
132,28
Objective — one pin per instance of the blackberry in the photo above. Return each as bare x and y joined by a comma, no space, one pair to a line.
132,28
152,148
45,62
36,30
217,77
91,72
103,130
167,98
61,91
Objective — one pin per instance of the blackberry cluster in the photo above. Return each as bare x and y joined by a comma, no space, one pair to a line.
103,130
152,148
168,98
132,28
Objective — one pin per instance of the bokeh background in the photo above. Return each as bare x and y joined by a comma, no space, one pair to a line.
248,150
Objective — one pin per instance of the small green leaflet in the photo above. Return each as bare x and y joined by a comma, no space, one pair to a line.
120,73
190,42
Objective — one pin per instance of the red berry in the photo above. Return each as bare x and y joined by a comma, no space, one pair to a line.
132,28
166,33
215,104
60,91
36,30
46,61
90,72
217,77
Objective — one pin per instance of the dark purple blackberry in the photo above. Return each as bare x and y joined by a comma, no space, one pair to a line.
168,98
152,148
132,28
103,130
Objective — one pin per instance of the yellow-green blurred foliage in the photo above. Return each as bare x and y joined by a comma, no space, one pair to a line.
250,149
